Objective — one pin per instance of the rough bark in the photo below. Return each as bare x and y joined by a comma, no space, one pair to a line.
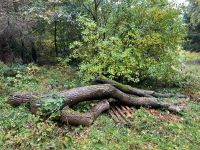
135,91
77,118
94,92
18,98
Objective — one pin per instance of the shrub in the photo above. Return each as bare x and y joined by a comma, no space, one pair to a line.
141,40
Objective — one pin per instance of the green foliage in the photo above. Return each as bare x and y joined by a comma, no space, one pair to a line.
30,131
18,77
32,69
131,41
193,19
193,12
140,41
52,104
50,109
55,25
191,71
19,129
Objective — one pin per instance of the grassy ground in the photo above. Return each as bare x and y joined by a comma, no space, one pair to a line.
192,61
21,130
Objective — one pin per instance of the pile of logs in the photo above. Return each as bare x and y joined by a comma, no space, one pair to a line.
105,91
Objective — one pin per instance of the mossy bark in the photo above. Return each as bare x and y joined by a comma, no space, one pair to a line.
135,91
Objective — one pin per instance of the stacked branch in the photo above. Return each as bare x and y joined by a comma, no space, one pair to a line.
72,97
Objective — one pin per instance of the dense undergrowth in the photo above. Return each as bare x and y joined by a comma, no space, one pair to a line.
19,129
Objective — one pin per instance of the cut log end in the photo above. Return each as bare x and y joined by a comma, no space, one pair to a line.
19,98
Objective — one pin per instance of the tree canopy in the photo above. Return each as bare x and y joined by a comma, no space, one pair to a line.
129,40
193,19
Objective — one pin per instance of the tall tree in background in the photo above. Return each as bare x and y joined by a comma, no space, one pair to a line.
56,25
193,19
15,40
92,7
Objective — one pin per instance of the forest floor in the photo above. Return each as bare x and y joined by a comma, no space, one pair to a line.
19,129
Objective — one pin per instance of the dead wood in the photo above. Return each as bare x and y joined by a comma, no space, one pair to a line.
18,98
76,118
135,91
93,92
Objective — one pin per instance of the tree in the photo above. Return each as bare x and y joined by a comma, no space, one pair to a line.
92,7
194,11
15,40
193,19
55,26
141,40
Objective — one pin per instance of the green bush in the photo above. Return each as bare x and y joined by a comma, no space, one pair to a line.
139,41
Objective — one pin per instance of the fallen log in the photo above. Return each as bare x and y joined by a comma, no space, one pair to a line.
135,91
76,118
19,98
94,92
74,96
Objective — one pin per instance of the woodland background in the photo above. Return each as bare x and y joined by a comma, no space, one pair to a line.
51,45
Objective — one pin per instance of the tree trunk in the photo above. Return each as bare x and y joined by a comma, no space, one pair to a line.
55,38
96,11
55,31
135,91
77,118
74,96
34,53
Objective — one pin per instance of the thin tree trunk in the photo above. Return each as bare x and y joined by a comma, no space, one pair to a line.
22,51
55,37
55,31
34,53
96,11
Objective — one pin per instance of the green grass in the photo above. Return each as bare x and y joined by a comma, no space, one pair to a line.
19,129
190,55
192,61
